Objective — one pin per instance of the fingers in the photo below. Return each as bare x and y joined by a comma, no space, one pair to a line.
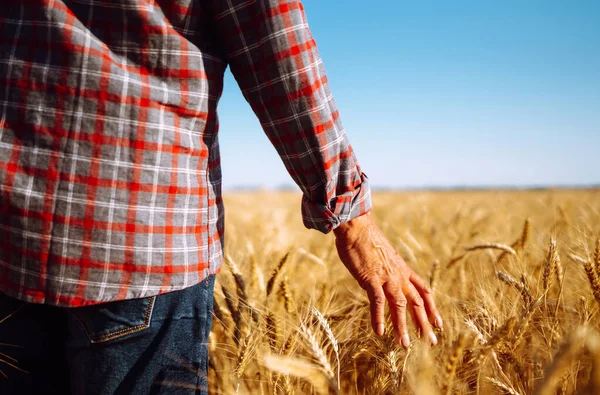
425,291
398,303
416,297
417,305
377,301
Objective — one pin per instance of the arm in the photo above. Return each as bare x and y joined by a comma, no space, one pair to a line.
275,61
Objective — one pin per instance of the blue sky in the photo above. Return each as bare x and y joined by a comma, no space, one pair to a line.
442,93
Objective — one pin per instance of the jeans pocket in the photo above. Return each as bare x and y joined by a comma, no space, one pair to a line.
114,320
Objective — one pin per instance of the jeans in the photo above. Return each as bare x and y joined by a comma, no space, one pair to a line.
154,345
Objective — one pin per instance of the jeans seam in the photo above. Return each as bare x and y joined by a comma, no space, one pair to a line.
122,332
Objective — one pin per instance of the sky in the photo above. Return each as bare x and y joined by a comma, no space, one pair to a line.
446,93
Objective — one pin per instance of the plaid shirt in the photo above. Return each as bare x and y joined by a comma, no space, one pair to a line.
110,180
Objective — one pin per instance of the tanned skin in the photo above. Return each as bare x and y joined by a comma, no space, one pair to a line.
380,271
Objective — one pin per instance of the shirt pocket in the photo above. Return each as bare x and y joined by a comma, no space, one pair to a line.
114,320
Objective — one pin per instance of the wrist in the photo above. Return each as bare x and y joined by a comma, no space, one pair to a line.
354,226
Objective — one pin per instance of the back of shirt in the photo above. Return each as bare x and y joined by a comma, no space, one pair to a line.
109,172
110,180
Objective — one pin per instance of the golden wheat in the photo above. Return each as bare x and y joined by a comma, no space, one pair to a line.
512,308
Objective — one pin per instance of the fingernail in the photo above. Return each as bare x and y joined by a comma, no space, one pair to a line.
432,338
438,322
380,329
405,340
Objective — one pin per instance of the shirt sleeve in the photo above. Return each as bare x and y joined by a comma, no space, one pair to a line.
273,57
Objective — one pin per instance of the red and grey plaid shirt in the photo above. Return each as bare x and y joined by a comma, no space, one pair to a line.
110,180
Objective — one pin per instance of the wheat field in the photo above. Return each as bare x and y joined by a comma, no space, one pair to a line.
515,275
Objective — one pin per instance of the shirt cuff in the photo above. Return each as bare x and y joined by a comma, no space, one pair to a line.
339,209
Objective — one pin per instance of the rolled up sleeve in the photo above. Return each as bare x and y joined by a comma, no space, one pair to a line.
274,58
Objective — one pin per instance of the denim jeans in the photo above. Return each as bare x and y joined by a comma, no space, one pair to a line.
155,345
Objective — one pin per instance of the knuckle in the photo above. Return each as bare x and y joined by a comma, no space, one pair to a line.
427,290
418,301
400,304
364,284
378,299
368,282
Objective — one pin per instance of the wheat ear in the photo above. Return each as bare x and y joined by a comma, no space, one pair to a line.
243,358
243,301
501,334
327,329
299,368
524,235
276,273
286,295
452,363
592,276
597,255
271,327
549,264
435,273
521,286
584,310
235,313
256,274
318,353
503,388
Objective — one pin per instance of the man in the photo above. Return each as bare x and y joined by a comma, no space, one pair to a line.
111,218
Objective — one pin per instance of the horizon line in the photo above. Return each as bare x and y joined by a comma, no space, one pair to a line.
458,187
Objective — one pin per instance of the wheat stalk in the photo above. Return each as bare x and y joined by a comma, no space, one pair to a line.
312,257
454,261
593,345
567,354
493,246
519,330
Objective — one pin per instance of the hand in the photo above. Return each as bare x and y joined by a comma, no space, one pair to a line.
381,272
